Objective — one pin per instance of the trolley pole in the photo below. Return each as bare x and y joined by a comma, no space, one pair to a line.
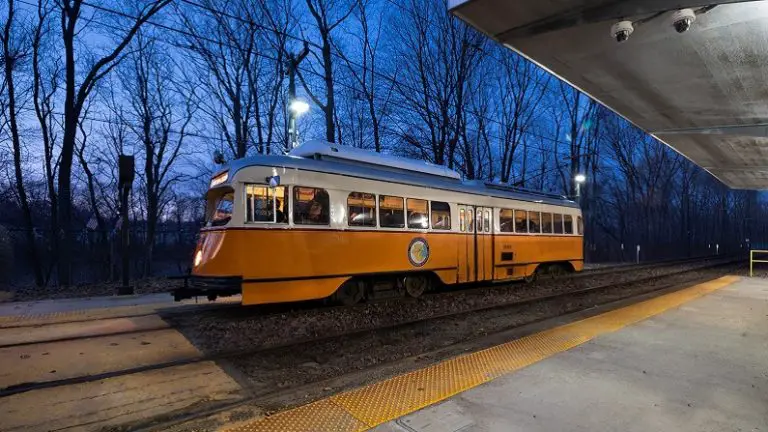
292,66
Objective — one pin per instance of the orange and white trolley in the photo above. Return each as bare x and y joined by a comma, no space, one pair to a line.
334,221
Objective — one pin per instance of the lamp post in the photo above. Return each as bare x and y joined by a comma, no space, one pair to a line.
579,179
296,108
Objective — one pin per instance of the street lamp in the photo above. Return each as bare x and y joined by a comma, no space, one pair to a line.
296,108
579,179
299,107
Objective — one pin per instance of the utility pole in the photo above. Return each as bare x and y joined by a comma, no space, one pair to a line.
292,66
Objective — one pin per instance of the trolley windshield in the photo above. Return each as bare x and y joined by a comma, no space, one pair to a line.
219,208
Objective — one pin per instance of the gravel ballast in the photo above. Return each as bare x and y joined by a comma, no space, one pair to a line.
214,332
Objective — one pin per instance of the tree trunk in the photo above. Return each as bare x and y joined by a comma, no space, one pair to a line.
9,63
330,103
74,100
149,247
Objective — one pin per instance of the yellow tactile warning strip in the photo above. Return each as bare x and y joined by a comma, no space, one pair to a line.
372,405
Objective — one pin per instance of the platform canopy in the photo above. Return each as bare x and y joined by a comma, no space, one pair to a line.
703,92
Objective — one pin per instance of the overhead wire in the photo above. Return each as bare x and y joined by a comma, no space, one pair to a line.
273,58
394,81
317,74
344,58
123,123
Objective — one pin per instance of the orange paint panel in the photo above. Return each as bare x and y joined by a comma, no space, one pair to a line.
447,276
275,254
276,292
527,249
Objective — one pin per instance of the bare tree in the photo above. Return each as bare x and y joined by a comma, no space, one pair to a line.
477,136
15,51
161,112
115,136
77,89
368,86
279,15
328,15
85,128
438,57
246,85
521,88
46,75
582,133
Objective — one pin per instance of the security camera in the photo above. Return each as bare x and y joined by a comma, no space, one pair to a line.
683,19
622,30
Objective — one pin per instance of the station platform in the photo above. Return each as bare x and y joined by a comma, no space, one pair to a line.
690,360
26,313
90,363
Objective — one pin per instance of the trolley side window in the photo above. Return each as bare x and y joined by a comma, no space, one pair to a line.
417,213
265,204
568,224
470,221
546,223
558,223
521,221
534,222
361,209
391,212
487,221
311,206
221,204
461,220
441,215
507,220
580,225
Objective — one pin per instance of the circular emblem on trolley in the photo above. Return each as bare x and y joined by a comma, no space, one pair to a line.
418,252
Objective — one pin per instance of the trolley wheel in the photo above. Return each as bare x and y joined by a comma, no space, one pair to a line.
416,285
556,270
531,278
350,292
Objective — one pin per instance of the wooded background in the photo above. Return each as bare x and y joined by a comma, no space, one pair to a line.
173,81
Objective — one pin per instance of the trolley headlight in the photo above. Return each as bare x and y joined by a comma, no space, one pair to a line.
198,258
219,179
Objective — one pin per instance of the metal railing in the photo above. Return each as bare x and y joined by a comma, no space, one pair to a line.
752,259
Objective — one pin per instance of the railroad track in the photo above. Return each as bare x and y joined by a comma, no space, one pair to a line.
649,265
317,306
235,311
447,293
223,314
298,342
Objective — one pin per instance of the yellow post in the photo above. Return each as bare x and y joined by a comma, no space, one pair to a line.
752,259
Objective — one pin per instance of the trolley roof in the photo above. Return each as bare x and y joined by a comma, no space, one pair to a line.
381,168
328,151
